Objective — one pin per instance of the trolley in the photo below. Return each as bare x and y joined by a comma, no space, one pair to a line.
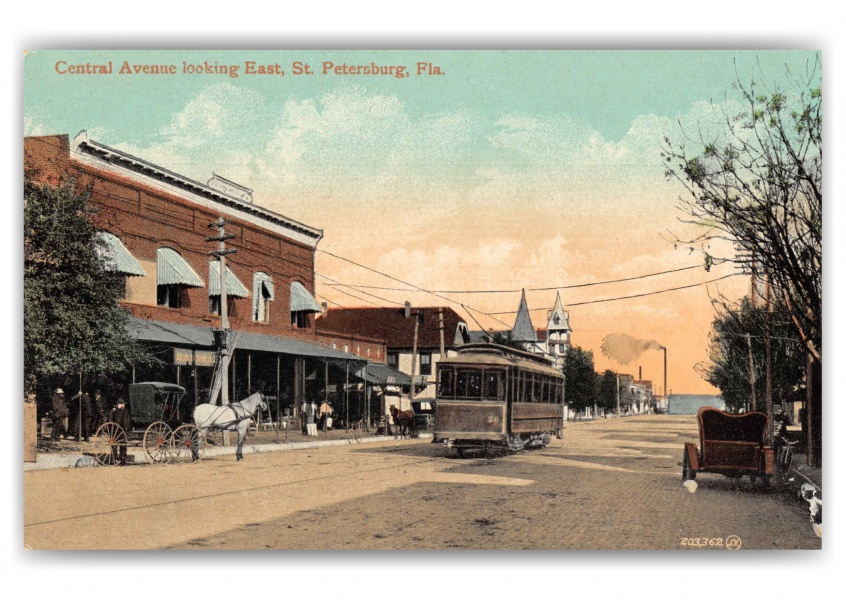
496,399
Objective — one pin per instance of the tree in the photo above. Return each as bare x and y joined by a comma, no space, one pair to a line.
579,379
503,338
606,385
734,329
757,182
73,322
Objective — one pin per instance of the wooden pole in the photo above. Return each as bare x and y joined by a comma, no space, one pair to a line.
413,358
278,396
347,398
751,372
441,328
769,363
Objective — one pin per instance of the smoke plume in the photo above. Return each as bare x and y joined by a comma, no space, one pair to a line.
624,348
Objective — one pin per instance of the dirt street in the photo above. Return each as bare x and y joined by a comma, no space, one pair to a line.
609,484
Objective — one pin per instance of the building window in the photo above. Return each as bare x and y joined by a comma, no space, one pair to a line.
393,360
263,292
169,295
425,363
299,319
214,305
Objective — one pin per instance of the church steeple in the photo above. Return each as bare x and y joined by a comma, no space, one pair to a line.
523,330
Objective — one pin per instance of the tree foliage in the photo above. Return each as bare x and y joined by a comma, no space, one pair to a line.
606,390
72,319
757,182
580,378
728,369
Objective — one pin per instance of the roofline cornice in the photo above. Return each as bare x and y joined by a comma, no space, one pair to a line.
97,154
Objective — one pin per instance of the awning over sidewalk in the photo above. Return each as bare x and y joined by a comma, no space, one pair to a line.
380,374
190,335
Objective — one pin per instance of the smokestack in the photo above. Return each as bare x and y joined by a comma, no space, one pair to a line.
666,394
640,373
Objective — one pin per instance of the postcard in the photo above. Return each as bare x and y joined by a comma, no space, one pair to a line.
422,300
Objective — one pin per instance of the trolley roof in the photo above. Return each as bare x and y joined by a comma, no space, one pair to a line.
503,356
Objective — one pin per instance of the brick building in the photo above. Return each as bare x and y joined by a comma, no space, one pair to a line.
391,325
154,224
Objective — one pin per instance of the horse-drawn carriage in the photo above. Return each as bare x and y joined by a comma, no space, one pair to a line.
731,445
158,419
162,422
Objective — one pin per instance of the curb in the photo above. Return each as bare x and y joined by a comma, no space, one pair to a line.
70,461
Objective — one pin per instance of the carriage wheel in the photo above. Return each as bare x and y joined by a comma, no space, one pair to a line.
107,441
157,442
189,442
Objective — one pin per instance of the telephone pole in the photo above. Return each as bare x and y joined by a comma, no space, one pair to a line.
222,334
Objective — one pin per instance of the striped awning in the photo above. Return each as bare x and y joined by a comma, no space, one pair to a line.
116,257
263,286
301,300
171,269
234,287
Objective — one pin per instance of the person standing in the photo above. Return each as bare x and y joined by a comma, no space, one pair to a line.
120,415
98,411
59,413
325,416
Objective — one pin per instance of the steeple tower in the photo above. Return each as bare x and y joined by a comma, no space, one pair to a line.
523,330
558,328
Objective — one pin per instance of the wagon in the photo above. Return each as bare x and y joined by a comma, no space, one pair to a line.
731,445
424,414
158,419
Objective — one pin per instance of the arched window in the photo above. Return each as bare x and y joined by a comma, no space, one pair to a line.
173,276
263,294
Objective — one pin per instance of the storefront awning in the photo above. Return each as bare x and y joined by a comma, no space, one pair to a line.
116,257
302,300
190,335
172,269
234,287
380,374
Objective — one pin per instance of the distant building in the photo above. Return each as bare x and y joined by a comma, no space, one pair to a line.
689,404
397,331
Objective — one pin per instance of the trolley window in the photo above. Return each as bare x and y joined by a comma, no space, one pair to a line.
494,385
446,383
468,384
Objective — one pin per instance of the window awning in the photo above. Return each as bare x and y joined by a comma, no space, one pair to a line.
234,287
301,300
172,269
116,257
263,286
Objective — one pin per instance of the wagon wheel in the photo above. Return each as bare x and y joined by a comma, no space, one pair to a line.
687,472
189,442
107,441
157,442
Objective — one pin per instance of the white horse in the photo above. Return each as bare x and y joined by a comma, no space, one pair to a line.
230,417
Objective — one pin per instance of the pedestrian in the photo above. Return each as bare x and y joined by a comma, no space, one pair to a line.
98,411
120,415
326,416
59,413
73,415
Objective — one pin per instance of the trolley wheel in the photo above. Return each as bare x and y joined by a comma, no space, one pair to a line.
157,442
687,472
189,442
107,441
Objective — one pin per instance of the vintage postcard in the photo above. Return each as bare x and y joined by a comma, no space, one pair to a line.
422,300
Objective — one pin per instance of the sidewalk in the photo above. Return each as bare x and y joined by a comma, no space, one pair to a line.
70,454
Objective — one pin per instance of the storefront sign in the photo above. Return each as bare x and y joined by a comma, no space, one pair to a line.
200,358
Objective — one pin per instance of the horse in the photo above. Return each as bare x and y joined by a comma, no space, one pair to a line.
404,421
230,417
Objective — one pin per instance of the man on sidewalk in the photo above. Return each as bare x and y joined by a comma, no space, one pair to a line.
59,413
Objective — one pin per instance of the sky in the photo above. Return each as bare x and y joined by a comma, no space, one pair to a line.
508,170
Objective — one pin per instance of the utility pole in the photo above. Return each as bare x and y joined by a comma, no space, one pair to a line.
441,328
618,394
751,372
222,335
769,363
416,316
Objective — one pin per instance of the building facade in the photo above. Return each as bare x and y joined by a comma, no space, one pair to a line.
154,225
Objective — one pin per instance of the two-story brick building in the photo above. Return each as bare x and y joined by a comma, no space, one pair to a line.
155,224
